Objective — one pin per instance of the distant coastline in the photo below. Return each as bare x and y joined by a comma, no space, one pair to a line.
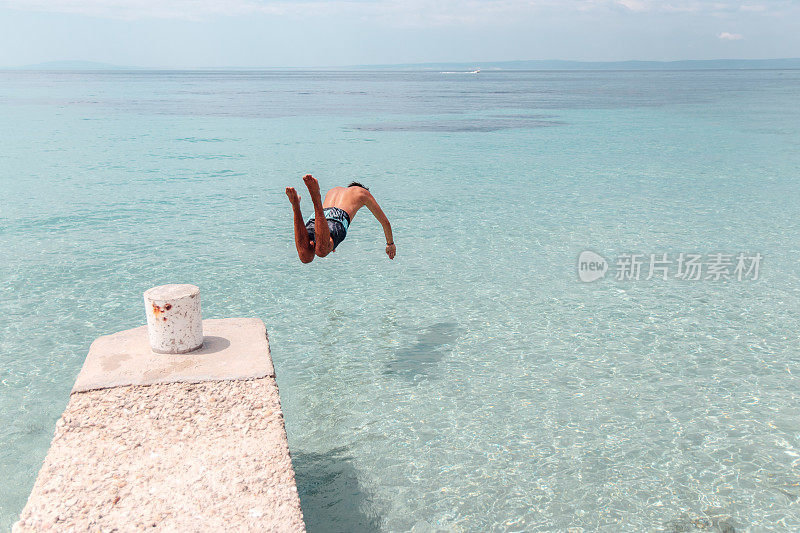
73,65
696,64
691,64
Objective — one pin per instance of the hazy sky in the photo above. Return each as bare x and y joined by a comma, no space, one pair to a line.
248,33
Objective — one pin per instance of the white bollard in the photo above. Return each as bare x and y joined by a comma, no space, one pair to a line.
173,318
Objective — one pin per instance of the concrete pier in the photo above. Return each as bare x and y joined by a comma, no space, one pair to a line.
175,442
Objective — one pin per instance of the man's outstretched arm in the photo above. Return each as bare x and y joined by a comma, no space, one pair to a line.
376,210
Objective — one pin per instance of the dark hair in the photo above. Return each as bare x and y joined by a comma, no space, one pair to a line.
357,184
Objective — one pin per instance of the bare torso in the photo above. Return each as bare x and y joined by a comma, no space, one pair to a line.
350,199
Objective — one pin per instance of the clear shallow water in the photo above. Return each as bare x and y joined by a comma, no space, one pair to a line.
473,383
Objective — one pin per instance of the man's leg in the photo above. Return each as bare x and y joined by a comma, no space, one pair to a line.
304,248
323,243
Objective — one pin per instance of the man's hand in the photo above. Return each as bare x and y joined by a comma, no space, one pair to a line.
391,249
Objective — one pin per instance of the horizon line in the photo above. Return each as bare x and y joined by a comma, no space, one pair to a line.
78,65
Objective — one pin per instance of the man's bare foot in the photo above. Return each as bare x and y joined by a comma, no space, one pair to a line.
312,184
293,196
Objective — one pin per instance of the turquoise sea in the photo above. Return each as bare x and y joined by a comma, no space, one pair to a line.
474,383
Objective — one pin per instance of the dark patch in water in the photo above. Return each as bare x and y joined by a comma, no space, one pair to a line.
712,522
494,123
202,140
202,156
331,497
525,116
419,358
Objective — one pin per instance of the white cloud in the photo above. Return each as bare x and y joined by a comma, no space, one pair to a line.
715,7
414,12
177,9
725,36
402,12
634,5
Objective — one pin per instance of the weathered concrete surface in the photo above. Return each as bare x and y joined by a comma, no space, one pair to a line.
233,348
203,448
175,457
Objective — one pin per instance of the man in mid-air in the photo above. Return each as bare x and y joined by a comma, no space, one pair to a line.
328,227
